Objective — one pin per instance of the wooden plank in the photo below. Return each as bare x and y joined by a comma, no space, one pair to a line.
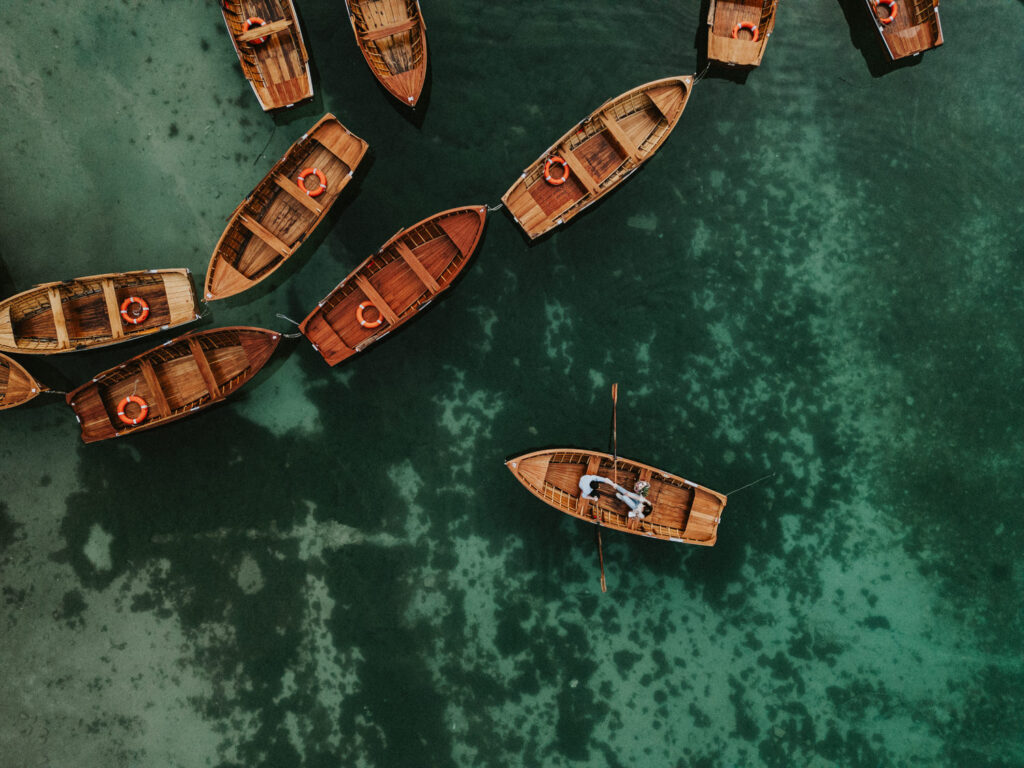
625,143
293,189
59,322
581,173
113,312
204,369
395,29
417,266
160,404
265,235
271,28
377,299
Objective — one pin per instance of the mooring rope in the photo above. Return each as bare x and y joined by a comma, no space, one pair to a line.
744,487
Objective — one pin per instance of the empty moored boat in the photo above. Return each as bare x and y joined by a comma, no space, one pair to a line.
271,223
906,27
596,155
167,383
390,287
96,311
738,31
16,384
679,510
393,38
269,45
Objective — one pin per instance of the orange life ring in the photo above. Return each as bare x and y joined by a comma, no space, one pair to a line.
143,412
143,310
254,21
556,180
363,321
891,5
752,28
316,191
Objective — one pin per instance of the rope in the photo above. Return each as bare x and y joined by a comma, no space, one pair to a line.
291,335
743,487
53,392
493,208
285,317
265,146
700,77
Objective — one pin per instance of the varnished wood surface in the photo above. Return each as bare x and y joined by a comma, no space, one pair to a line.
743,50
916,27
278,68
275,218
176,379
85,313
682,511
405,275
17,386
393,40
599,157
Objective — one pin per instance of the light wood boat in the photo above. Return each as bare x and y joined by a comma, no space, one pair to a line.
390,287
738,31
270,224
174,380
393,38
96,311
597,154
272,53
914,26
682,511
16,384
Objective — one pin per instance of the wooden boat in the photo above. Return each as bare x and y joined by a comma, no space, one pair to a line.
738,31
96,311
393,38
16,384
269,45
270,224
681,511
596,155
907,27
390,287
174,380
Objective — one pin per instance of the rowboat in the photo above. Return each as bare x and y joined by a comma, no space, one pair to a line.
269,45
270,224
738,31
16,384
96,311
596,155
390,287
393,39
174,380
906,27
680,510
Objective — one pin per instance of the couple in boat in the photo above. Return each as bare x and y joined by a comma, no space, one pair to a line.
639,506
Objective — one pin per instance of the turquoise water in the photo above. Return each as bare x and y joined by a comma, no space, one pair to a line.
819,275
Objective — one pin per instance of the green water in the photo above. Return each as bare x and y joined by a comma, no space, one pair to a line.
819,275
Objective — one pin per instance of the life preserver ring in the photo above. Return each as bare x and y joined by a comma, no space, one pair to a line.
891,5
556,180
254,21
316,191
128,316
143,410
362,319
750,27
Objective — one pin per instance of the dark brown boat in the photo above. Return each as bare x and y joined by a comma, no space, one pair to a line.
393,39
16,384
390,287
906,27
170,382
681,511
270,224
96,311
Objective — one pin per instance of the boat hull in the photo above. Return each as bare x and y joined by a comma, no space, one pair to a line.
732,45
405,275
17,386
599,153
85,313
682,511
392,37
175,380
915,27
